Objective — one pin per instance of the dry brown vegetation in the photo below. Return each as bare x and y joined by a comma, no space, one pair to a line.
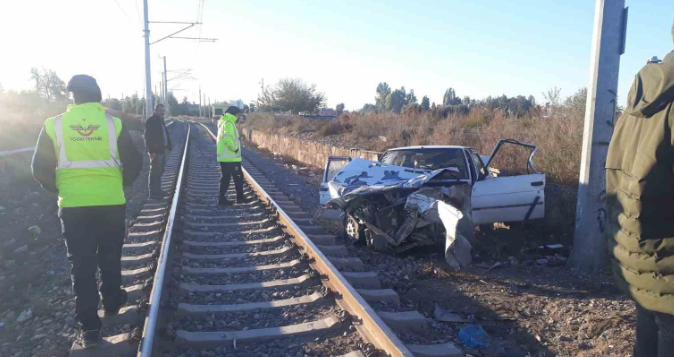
559,136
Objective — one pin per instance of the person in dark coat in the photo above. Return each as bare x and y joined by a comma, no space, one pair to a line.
158,143
640,205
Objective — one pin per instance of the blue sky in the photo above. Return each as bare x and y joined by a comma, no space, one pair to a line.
480,48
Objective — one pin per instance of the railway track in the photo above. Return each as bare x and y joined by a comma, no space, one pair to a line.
251,279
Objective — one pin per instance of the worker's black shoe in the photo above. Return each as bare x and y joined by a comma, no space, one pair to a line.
222,201
112,309
89,339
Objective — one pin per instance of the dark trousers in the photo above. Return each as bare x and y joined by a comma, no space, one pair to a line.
655,334
227,170
94,238
157,166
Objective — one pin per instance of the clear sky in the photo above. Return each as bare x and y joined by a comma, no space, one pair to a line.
480,48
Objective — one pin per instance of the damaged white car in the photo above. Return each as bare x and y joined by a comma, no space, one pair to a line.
416,196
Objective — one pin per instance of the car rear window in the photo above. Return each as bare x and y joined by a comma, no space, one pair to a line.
430,159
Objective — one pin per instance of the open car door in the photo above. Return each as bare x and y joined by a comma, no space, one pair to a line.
515,196
332,167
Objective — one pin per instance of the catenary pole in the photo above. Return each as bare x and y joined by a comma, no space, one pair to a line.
148,79
608,44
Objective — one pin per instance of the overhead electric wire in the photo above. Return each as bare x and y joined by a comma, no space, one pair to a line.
122,10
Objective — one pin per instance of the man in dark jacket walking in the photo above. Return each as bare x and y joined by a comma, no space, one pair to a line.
640,202
87,156
157,142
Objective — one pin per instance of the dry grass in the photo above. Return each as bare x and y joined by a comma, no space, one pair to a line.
559,138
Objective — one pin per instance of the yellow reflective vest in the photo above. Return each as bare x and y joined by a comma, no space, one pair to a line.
229,145
89,171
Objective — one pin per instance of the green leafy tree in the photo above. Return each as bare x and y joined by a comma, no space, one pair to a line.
368,108
425,103
340,108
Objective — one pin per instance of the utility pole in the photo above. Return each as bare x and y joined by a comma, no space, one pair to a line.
199,102
122,102
206,110
165,88
148,79
608,44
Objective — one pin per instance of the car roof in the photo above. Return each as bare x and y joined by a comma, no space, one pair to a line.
429,147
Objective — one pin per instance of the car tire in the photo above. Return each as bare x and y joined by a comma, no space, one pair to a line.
353,231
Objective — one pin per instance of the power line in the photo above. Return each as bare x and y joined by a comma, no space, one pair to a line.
122,10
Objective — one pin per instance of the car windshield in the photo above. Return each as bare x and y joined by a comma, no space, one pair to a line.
429,159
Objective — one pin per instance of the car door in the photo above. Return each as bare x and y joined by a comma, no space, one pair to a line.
332,167
516,197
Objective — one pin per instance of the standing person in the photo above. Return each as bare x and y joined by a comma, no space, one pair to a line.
640,202
229,155
86,156
158,142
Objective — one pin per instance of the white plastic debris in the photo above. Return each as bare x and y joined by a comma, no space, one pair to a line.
25,316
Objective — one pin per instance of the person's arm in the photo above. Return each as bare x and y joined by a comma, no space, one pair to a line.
44,162
153,136
228,136
132,160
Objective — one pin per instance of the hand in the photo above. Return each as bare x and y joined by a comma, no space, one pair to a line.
152,155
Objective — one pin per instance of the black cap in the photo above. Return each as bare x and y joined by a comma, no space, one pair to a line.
84,88
234,110
82,83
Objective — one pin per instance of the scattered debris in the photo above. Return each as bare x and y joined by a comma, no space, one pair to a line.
542,261
21,250
25,316
474,336
382,138
446,316
36,230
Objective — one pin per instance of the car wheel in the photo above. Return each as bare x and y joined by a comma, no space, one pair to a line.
353,230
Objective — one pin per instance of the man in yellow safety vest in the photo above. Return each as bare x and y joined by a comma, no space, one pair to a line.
229,155
86,156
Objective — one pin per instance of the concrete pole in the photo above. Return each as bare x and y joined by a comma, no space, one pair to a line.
608,43
148,79
166,88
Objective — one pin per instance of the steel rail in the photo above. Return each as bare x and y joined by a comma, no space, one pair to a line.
367,322
150,327
16,151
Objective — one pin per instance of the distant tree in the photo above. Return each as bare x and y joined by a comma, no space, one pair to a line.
340,108
368,108
383,90
48,85
425,103
292,95
410,98
450,97
553,96
252,107
532,100
466,100
173,105
396,100
433,106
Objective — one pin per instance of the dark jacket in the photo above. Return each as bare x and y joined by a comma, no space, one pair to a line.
44,160
640,190
154,137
